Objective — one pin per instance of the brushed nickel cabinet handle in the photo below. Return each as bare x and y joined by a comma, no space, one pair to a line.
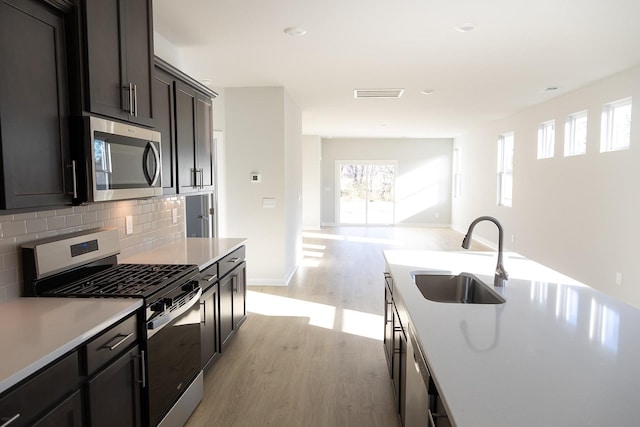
124,338
131,99
135,100
10,420
74,177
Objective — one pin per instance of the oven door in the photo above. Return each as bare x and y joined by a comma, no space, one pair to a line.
173,353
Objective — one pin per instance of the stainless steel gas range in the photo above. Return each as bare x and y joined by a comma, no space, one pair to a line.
84,265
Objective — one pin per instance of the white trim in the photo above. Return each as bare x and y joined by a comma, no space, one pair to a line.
273,282
265,282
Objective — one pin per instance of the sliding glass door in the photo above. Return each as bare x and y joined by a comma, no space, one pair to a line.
365,192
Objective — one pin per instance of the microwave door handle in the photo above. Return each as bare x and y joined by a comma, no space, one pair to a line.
150,148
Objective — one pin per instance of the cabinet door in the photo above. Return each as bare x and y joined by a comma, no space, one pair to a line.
163,109
239,283
204,142
34,108
138,57
114,394
388,328
226,311
66,414
399,363
119,55
209,328
107,93
185,102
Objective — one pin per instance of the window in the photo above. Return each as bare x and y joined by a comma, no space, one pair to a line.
616,126
546,139
505,169
575,134
457,175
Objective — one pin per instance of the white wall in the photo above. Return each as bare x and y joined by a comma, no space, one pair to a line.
311,183
164,49
423,176
578,215
293,185
261,127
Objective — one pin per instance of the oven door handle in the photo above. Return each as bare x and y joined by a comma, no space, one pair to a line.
165,318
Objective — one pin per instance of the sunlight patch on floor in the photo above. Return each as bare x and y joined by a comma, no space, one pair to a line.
362,324
321,315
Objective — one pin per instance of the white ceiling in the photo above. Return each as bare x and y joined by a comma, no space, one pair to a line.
516,51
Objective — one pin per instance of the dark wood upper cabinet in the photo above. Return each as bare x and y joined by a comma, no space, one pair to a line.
34,105
184,116
164,115
119,56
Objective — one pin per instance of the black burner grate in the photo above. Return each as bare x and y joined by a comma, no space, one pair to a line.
125,280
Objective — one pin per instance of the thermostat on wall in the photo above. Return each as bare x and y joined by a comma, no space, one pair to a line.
256,177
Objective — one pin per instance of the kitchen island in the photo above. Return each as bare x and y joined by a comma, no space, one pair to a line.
557,353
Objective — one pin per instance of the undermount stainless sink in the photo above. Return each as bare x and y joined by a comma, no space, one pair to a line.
463,288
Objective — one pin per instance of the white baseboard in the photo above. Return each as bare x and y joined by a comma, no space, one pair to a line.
265,282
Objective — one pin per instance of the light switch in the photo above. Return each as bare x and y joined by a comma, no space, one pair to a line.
174,215
269,203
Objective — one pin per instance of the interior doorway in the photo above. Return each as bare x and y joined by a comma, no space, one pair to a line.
365,192
200,216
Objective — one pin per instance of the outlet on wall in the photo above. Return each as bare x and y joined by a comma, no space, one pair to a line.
174,215
128,224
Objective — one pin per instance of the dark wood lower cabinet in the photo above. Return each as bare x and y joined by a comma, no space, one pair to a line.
226,311
239,285
66,414
209,326
113,394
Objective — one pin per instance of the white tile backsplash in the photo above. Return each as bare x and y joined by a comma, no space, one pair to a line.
152,227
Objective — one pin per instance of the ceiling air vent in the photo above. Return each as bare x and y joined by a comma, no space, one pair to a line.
377,93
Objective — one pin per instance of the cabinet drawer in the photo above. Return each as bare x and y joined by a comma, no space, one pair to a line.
208,276
41,392
111,344
231,261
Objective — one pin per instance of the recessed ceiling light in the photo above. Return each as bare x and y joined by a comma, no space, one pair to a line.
466,27
550,89
427,91
295,31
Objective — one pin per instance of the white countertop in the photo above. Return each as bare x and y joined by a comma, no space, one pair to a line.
200,251
557,353
36,331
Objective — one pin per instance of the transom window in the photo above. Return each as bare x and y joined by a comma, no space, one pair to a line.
575,134
616,126
505,169
546,139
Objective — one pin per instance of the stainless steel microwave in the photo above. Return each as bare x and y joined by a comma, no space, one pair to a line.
125,161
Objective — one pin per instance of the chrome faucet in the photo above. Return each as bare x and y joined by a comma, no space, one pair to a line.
501,277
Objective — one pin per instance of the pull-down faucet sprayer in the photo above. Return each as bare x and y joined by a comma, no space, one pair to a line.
501,276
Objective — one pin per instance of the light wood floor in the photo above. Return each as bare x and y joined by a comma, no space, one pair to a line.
311,354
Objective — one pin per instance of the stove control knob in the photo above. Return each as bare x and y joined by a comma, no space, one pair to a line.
189,286
158,306
168,302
